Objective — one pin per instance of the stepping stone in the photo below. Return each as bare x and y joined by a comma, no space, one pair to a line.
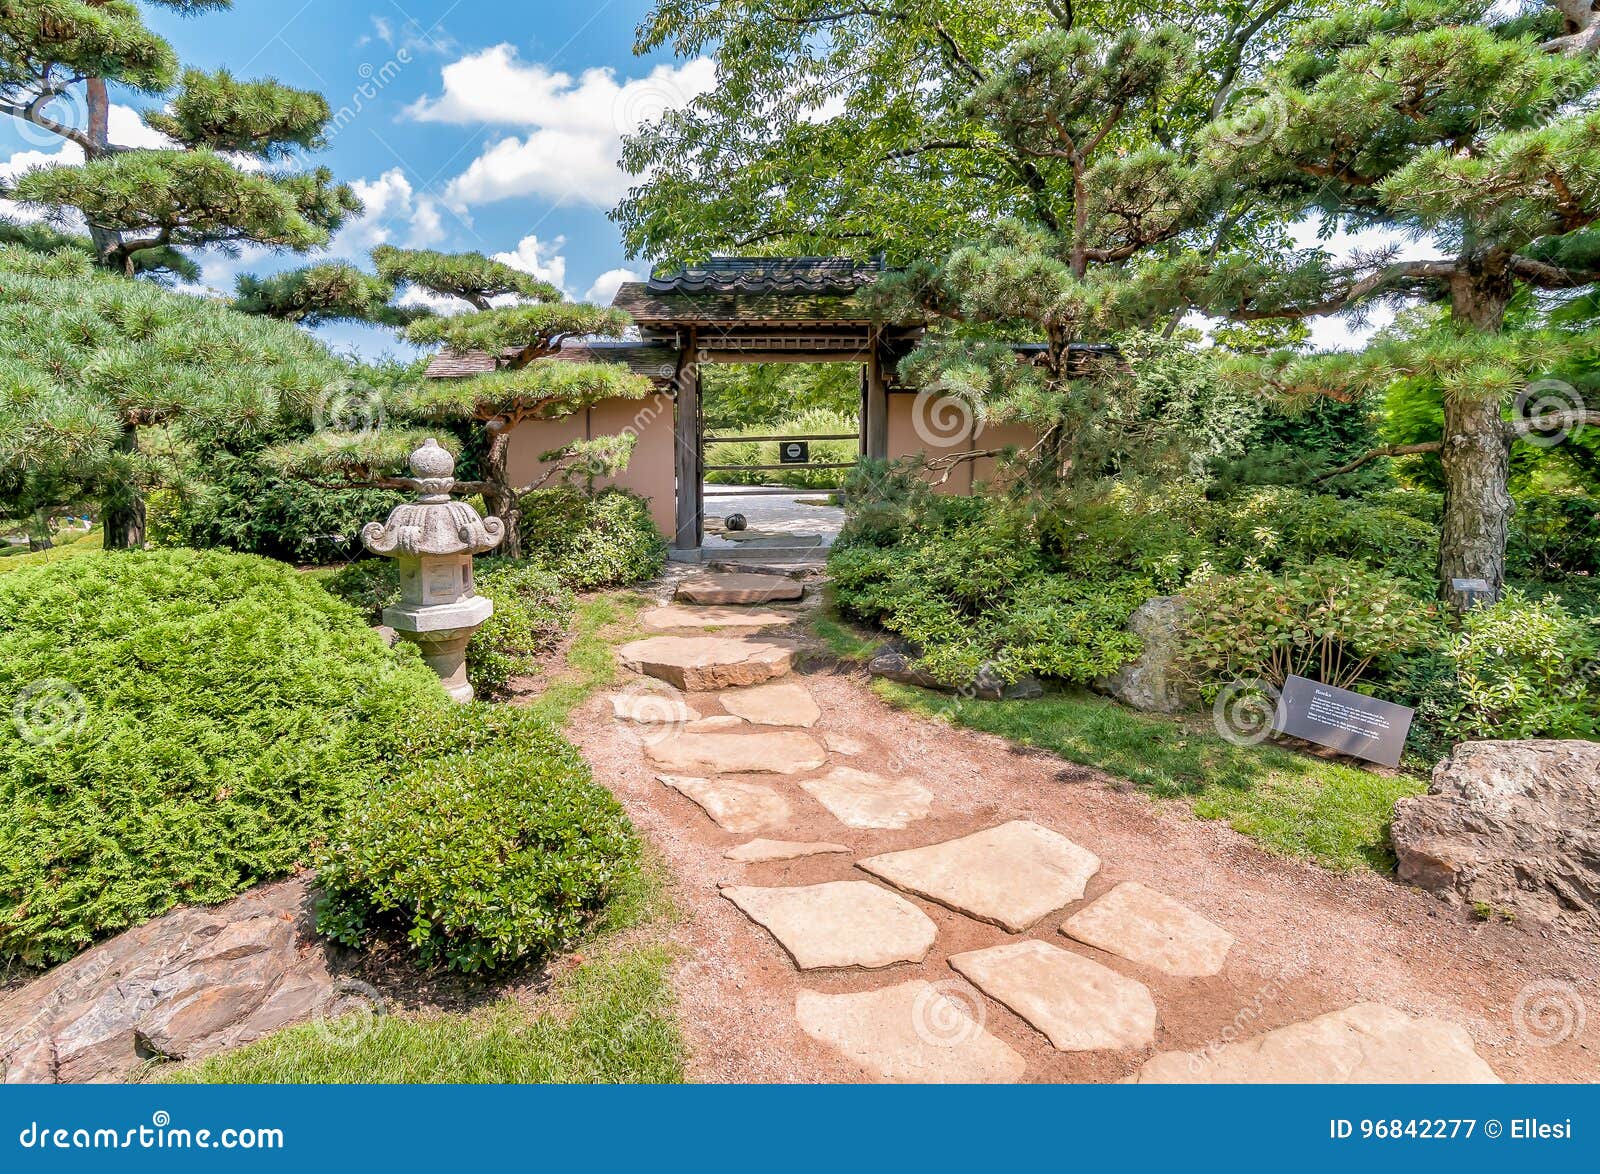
717,721
1081,1006
739,587
675,616
841,743
1152,929
698,663
782,703
840,923
758,850
1010,875
861,800
1368,1043
783,752
734,807
912,1033
650,707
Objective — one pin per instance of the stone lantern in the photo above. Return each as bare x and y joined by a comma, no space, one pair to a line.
434,539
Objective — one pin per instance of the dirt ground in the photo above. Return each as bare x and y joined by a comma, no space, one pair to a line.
1308,940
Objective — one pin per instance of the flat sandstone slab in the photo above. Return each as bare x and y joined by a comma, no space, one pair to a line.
738,588
782,703
658,706
861,800
1010,875
1368,1043
840,923
699,663
1081,1006
912,1033
675,616
758,850
734,807
783,752
1152,929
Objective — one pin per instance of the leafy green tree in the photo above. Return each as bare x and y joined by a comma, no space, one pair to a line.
91,363
524,384
58,57
1457,122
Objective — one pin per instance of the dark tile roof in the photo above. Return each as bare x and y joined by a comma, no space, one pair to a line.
459,364
808,275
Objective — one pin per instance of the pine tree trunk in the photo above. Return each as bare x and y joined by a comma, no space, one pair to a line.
107,245
1477,501
122,514
502,499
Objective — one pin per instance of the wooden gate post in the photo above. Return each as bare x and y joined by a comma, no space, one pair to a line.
875,411
686,430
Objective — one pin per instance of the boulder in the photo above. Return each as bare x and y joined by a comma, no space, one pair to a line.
1150,683
1512,825
190,983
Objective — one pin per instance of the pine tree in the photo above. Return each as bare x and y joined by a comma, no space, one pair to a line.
142,204
1444,120
525,384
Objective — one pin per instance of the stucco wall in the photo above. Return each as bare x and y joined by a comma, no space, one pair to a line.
649,473
942,426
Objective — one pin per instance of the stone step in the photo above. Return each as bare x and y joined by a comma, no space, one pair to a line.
839,923
703,663
738,588
910,1033
674,615
769,751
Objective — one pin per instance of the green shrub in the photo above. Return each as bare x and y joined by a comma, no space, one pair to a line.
1333,622
1526,669
481,858
531,613
1554,535
608,540
368,584
188,724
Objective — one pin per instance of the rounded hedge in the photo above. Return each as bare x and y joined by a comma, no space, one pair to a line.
607,540
180,725
481,858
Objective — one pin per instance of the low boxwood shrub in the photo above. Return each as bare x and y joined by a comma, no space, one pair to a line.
531,613
604,540
483,857
1526,668
185,724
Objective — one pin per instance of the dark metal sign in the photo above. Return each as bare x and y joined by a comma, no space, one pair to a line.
1351,723
794,452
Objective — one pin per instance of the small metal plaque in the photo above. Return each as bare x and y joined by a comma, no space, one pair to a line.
794,452
1351,723
1465,585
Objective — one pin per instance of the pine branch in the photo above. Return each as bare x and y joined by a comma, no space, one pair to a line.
1551,422
1388,450
1383,279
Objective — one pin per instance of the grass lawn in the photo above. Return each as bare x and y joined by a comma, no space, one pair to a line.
1293,804
599,622
89,543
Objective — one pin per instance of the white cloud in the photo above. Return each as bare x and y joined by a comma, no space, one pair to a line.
395,215
543,259
574,126
605,286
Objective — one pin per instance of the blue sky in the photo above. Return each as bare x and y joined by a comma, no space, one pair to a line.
464,124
